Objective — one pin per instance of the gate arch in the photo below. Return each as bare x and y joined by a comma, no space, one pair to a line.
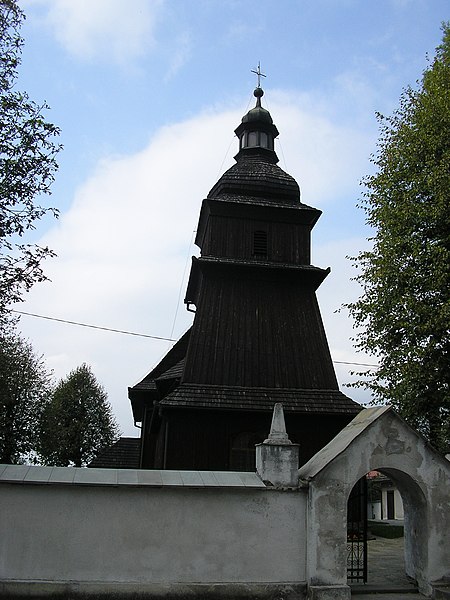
415,522
377,439
415,519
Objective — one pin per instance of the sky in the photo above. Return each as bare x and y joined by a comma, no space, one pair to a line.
147,94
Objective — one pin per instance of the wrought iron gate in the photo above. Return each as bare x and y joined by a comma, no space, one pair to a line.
357,533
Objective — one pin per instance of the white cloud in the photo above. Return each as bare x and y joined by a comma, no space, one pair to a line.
327,159
123,245
114,30
181,55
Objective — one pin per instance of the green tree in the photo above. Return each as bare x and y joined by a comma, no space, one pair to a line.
27,166
24,391
404,309
77,422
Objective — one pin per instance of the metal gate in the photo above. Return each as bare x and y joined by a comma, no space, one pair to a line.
357,533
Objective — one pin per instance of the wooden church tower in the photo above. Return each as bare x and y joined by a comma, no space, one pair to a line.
257,336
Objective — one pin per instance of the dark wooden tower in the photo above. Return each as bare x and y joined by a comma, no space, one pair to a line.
257,336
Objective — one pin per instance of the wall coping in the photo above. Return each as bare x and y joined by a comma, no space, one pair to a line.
25,474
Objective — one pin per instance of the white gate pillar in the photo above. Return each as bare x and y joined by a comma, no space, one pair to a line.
277,456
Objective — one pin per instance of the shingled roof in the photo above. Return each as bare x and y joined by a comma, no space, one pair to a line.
171,359
124,454
257,177
261,399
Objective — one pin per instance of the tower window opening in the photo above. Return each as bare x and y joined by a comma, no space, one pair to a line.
255,139
260,243
252,139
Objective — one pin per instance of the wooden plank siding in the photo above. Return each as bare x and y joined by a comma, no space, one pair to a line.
204,440
249,331
234,238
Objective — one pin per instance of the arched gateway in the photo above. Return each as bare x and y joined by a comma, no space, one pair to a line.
377,439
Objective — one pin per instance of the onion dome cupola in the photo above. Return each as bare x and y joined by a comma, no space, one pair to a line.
256,178
257,131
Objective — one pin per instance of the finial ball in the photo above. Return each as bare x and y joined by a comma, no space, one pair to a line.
258,93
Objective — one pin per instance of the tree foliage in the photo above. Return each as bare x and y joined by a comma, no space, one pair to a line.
27,166
24,390
77,422
404,309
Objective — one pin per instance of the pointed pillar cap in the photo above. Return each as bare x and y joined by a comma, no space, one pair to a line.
278,433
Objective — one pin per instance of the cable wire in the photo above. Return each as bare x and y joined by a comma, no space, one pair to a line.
343,362
182,281
154,337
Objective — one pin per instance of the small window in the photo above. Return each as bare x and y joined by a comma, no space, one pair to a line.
264,141
252,139
260,243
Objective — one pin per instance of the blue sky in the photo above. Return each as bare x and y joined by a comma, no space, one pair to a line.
147,94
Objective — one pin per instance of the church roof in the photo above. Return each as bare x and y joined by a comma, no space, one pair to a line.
146,391
124,454
254,175
260,399
174,372
172,358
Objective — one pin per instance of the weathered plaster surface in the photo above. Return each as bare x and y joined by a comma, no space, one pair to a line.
378,439
278,464
125,534
70,590
277,456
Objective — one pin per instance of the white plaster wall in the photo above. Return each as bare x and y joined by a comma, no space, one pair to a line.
126,534
374,510
398,504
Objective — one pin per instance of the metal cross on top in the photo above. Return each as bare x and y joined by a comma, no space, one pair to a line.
258,73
